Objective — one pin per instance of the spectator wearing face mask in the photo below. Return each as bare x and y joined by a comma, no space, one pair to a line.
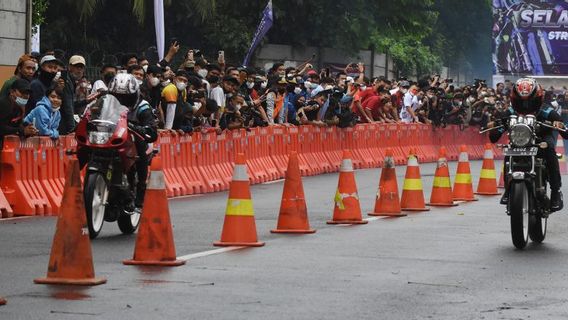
275,100
75,71
83,97
174,96
47,77
150,88
45,117
12,111
410,105
25,69
107,73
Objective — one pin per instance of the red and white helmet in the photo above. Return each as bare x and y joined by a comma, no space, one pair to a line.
527,96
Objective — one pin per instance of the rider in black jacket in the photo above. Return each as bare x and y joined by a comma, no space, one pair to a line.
527,98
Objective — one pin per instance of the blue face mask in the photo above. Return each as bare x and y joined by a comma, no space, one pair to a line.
21,101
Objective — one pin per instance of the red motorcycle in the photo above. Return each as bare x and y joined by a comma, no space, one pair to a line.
106,145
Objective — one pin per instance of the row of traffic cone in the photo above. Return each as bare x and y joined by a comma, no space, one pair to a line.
155,244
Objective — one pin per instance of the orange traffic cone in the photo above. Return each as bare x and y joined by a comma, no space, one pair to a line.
412,192
347,209
155,240
293,217
2,301
562,161
388,201
463,188
71,261
488,179
442,188
239,228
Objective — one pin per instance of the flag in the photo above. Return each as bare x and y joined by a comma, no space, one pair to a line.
159,22
263,27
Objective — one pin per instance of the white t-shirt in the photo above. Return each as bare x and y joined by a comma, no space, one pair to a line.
218,95
410,101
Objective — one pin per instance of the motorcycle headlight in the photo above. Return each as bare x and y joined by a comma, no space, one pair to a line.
520,135
99,137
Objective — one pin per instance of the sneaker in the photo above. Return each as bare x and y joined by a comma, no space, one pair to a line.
556,201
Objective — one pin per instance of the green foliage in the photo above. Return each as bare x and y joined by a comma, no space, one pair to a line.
38,14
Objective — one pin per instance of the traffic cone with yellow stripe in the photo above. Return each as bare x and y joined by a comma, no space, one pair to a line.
562,161
239,228
412,192
155,240
293,217
388,201
463,187
488,179
347,209
442,188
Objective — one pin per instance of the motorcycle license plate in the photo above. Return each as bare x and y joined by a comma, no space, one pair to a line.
532,151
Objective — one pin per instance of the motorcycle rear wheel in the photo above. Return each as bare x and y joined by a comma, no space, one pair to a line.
519,210
95,194
537,228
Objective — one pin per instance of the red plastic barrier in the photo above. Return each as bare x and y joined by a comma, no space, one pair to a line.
196,183
20,177
331,147
429,149
5,208
174,187
51,173
294,144
213,179
447,139
278,148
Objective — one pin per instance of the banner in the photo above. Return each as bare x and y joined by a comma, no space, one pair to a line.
263,27
159,22
530,37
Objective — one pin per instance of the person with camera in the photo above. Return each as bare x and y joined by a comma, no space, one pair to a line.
454,110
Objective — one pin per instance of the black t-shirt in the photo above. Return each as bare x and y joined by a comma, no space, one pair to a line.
11,119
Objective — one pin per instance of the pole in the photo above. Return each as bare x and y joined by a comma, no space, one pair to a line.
29,10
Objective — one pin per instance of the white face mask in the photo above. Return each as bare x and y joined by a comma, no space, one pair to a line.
139,82
238,106
145,68
165,83
181,86
363,88
202,73
297,90
154,81
404,90
196,106
250,85
263,84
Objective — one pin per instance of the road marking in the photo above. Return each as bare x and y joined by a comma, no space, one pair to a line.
208,253
273,182
17,218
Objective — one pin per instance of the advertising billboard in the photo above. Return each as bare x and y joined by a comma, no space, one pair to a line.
530,37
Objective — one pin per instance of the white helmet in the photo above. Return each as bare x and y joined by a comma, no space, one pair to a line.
126,89
123,83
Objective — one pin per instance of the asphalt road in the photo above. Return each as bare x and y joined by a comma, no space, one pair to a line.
449,263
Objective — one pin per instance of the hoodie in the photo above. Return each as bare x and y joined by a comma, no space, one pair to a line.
45,119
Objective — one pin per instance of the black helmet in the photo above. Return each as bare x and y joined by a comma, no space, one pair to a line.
526,96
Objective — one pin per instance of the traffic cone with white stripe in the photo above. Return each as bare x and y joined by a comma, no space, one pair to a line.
71,259
488,179
155,240
442,188
293,217
239,228
388,201
562,161
347,209
463,187
412,192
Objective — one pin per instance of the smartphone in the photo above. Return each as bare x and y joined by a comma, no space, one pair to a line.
190,55
221,55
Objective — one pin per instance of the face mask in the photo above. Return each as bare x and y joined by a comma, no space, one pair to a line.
229,95
139,82
145,68
107,77
181,86
363,88
307,84
202,73
21,101
154,81
196,106
458,103
238,106
404,90
47,76
165,83
263,85
55,108
250,85
297,90
36,66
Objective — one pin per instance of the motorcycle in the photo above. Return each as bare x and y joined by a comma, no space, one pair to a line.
526,178
106,141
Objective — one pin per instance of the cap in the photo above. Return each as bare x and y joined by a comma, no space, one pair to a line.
21,85
153,69
404,84
231,79
77,60
50,58
310,72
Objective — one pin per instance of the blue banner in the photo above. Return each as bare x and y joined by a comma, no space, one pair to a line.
530,37
263,27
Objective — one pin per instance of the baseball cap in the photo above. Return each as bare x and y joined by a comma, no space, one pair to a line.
50,58
21,85
76,59
231,79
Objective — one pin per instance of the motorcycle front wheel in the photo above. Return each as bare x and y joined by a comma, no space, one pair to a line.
96,194
128,223
519,210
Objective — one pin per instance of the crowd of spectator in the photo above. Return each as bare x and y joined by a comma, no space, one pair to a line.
47,96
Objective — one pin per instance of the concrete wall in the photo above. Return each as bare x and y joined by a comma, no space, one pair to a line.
271,53
13,34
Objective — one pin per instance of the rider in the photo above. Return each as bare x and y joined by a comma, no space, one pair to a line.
527,97
142,120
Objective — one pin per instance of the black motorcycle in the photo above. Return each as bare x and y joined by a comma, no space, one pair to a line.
526,178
